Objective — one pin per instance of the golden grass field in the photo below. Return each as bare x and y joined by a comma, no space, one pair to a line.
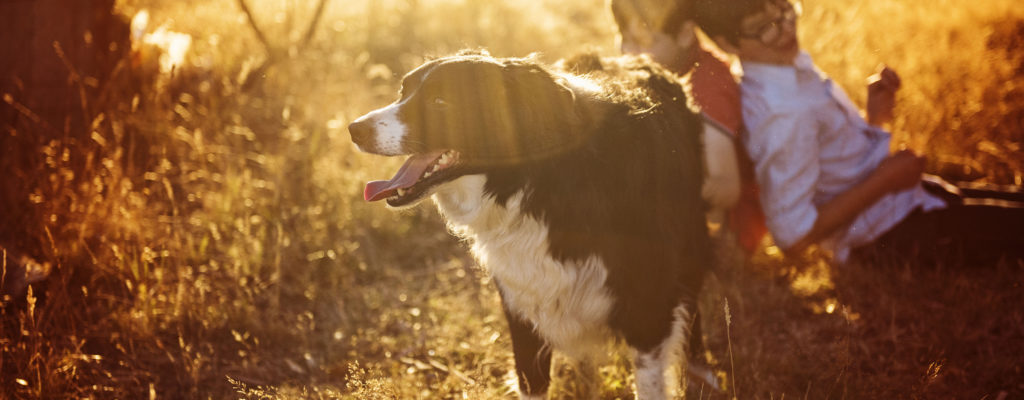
208,239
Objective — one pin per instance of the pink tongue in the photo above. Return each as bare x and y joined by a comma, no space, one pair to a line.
406,176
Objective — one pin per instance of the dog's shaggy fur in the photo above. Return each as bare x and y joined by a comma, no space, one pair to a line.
579,189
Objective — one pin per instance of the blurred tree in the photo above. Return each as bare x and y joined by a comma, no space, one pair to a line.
91,39
57,54
393,30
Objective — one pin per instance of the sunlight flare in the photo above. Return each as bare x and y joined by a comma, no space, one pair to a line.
170,47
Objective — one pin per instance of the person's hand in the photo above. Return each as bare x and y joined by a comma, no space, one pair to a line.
882,89
902,170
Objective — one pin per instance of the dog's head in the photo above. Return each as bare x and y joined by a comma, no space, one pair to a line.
463,114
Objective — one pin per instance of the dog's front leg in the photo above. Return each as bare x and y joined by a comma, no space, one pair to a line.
533,358
659,368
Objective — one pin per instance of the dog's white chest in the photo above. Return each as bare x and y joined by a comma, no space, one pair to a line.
567,302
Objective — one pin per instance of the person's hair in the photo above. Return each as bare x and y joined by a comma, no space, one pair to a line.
665,16
722,18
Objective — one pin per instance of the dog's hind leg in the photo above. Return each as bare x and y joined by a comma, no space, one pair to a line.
659,370
533,358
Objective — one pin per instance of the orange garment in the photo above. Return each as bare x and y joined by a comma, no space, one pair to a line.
716,92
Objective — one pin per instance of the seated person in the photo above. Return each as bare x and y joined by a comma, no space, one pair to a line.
665,31
827,175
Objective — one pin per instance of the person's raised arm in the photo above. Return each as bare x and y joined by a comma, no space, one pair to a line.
882,89
784,147
901,170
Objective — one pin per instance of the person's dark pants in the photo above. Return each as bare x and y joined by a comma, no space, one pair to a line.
981,226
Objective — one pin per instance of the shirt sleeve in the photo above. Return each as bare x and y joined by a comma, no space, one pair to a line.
784,147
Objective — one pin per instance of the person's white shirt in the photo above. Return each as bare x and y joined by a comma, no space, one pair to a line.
809,143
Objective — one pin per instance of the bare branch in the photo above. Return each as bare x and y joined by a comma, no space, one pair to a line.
255,28
311,29
273,55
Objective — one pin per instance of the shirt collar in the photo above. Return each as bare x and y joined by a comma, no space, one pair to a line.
783,76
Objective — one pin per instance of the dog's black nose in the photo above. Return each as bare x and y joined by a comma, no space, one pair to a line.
361,131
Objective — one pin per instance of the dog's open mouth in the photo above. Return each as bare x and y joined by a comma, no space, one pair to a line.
418,173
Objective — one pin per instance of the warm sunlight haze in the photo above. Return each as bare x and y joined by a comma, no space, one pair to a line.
184,216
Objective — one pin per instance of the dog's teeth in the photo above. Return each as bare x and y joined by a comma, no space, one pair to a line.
401,192
428,173
444,159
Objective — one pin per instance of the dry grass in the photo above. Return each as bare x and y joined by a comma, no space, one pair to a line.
208,241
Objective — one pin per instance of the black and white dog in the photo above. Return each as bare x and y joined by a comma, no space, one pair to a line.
580,192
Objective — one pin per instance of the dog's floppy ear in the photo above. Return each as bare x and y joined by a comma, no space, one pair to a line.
582,63
479,51
528,80
544,107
